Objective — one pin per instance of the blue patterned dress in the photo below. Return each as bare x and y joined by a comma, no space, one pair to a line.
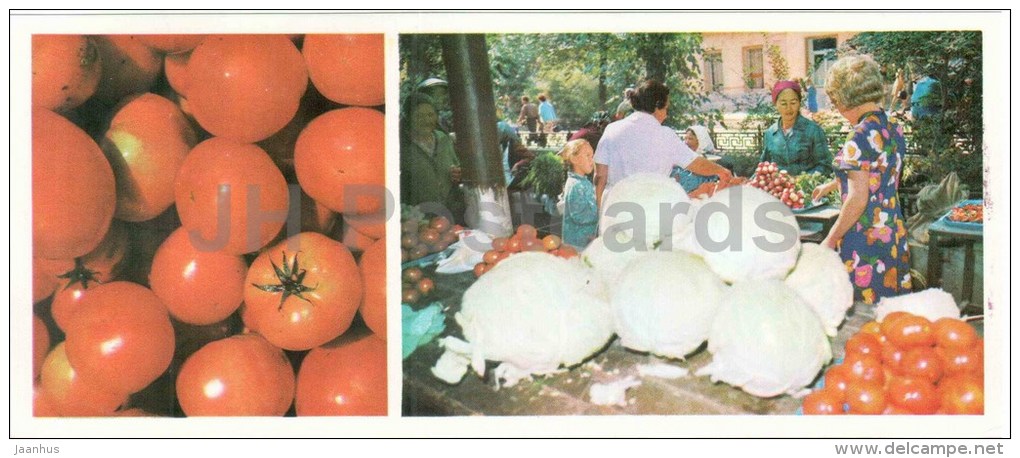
580,213
875,248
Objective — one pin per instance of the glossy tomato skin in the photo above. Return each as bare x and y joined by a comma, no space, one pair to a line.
40,344
953,333
146,144
917,395
101,265
346,377
962,395
340,162
823,402
865,344
175,66
347,68
245,87
866,399
65,70
120,337
73,188
70,394
373,276
45,274
911,331
243,375
218,168
198,287
171,44
129,67
332,291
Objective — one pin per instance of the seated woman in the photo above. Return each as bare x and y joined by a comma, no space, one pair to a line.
429,168
795,143
699,140
577,203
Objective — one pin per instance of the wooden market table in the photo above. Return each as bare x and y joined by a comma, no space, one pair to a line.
825,215
566,393
944,235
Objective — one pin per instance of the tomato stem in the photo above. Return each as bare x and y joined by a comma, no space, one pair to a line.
291,279
79,274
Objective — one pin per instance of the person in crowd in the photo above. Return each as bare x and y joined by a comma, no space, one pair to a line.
547,114
699,140
924,100
438,90
869,233
577,203
812,96
528,118
515,154
592,131
899,93
624,108
795,143
640,143
430,171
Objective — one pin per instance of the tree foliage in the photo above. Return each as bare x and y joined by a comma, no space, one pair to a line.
950,140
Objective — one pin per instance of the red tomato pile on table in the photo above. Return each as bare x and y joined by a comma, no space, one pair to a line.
970,213
415,286
420,238
191,200
524,239
906,365
768,177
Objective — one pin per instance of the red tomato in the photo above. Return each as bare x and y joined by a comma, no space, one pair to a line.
101,265
120,337
911,331
962,395
823,402
425,286
220,165
347,69
865,344
892,357
567,252
916,395
339,159
71,395
42,406
73,189
864,369
356,241
922,362
499,243
953,333
146,144
303,292
129,67
45,274
243,375
176,68
372,225
40,344
957,361
344,377
872,327
245,87
886,323
373,276
838,379
197,287
865,399
65,71
551,242
490,257
527,231
171,44
513,245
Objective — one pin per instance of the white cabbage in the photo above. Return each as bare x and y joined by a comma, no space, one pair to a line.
607,264
932,303
766,340
664,303
734,242
821,279
644,196
533,312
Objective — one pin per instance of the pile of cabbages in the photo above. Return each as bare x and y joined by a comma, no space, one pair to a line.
665,274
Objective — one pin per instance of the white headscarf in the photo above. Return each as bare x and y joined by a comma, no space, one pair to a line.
705,144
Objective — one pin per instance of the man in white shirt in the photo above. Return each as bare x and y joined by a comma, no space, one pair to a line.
640,143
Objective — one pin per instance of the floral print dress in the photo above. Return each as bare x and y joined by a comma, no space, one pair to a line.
874,250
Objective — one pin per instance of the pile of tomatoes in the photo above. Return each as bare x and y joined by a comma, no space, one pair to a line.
768,177
199,203
906,365
970,213
524,239
415,285
422,237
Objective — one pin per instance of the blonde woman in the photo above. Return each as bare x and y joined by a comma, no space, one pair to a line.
869,233
577,203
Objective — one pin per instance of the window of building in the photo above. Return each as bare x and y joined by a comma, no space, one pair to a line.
713,71
821,56
754,75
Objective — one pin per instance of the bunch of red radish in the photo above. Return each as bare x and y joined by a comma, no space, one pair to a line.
525,239
778,183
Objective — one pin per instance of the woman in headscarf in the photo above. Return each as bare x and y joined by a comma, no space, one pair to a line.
795,143
869,233
700,141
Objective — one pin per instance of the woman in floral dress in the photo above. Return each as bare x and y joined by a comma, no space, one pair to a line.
869,233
